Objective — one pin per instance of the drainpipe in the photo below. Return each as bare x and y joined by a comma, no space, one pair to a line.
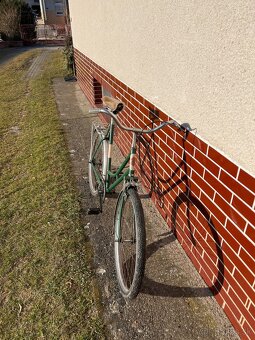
43,11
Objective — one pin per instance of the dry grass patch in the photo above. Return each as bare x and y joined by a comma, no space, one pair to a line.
46,283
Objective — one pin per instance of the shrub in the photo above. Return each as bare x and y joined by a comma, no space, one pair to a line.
15,13
68,51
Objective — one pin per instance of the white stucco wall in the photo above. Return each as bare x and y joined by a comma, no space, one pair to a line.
194,59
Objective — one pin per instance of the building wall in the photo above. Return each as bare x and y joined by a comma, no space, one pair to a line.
193,60
53,19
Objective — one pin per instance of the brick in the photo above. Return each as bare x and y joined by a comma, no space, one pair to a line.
247,212
147,103
202,226
249,330
237,288
248,259
227,236
252,310
211,264
202,184
194,256
206,274
134,102
211,251
207,163
233,318
158,152
219,299
250,232
218,186
222,161
247,180
240,191
179,139
193,164
194,189
172,169
127,97
162,116
139,98
161,135
244,277
230,212
131,92
233,303
228,264
166,148
240,237
248,317
187,246
240,266
171,134
188,147
197,142
177,149
178,160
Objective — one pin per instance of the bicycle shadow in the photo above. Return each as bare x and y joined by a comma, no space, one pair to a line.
156,288
179,178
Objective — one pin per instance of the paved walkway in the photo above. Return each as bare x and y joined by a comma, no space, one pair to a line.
174,302
37,63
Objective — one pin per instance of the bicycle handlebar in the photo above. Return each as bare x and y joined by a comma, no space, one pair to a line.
135,130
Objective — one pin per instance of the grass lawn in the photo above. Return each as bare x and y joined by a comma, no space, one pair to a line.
47,288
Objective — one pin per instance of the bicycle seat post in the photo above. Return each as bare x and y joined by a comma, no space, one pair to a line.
132,156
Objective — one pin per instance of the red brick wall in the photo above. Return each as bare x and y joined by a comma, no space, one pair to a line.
206,199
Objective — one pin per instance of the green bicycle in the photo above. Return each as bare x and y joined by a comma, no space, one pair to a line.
129,225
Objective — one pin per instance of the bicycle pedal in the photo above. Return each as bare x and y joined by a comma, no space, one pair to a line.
94,211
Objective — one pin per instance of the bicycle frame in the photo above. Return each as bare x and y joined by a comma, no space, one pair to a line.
118,175
128,175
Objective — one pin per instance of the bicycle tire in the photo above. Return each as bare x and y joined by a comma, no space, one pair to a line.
97,159
129,227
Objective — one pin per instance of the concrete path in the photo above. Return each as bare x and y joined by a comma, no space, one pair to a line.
37,63
174,302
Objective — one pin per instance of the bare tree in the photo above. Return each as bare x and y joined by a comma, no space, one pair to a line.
9,18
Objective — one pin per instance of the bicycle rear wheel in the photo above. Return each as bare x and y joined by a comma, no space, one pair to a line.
97,160
130,243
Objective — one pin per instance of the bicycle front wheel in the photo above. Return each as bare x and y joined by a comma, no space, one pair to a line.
130,243
97,160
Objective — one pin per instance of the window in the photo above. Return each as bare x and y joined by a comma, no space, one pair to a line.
59,7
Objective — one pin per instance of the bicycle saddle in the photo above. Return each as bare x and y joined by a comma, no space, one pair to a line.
113,104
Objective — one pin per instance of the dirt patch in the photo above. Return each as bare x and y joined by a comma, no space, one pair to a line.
174,302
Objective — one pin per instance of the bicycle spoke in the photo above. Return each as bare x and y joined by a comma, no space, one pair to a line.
97,163
130,245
